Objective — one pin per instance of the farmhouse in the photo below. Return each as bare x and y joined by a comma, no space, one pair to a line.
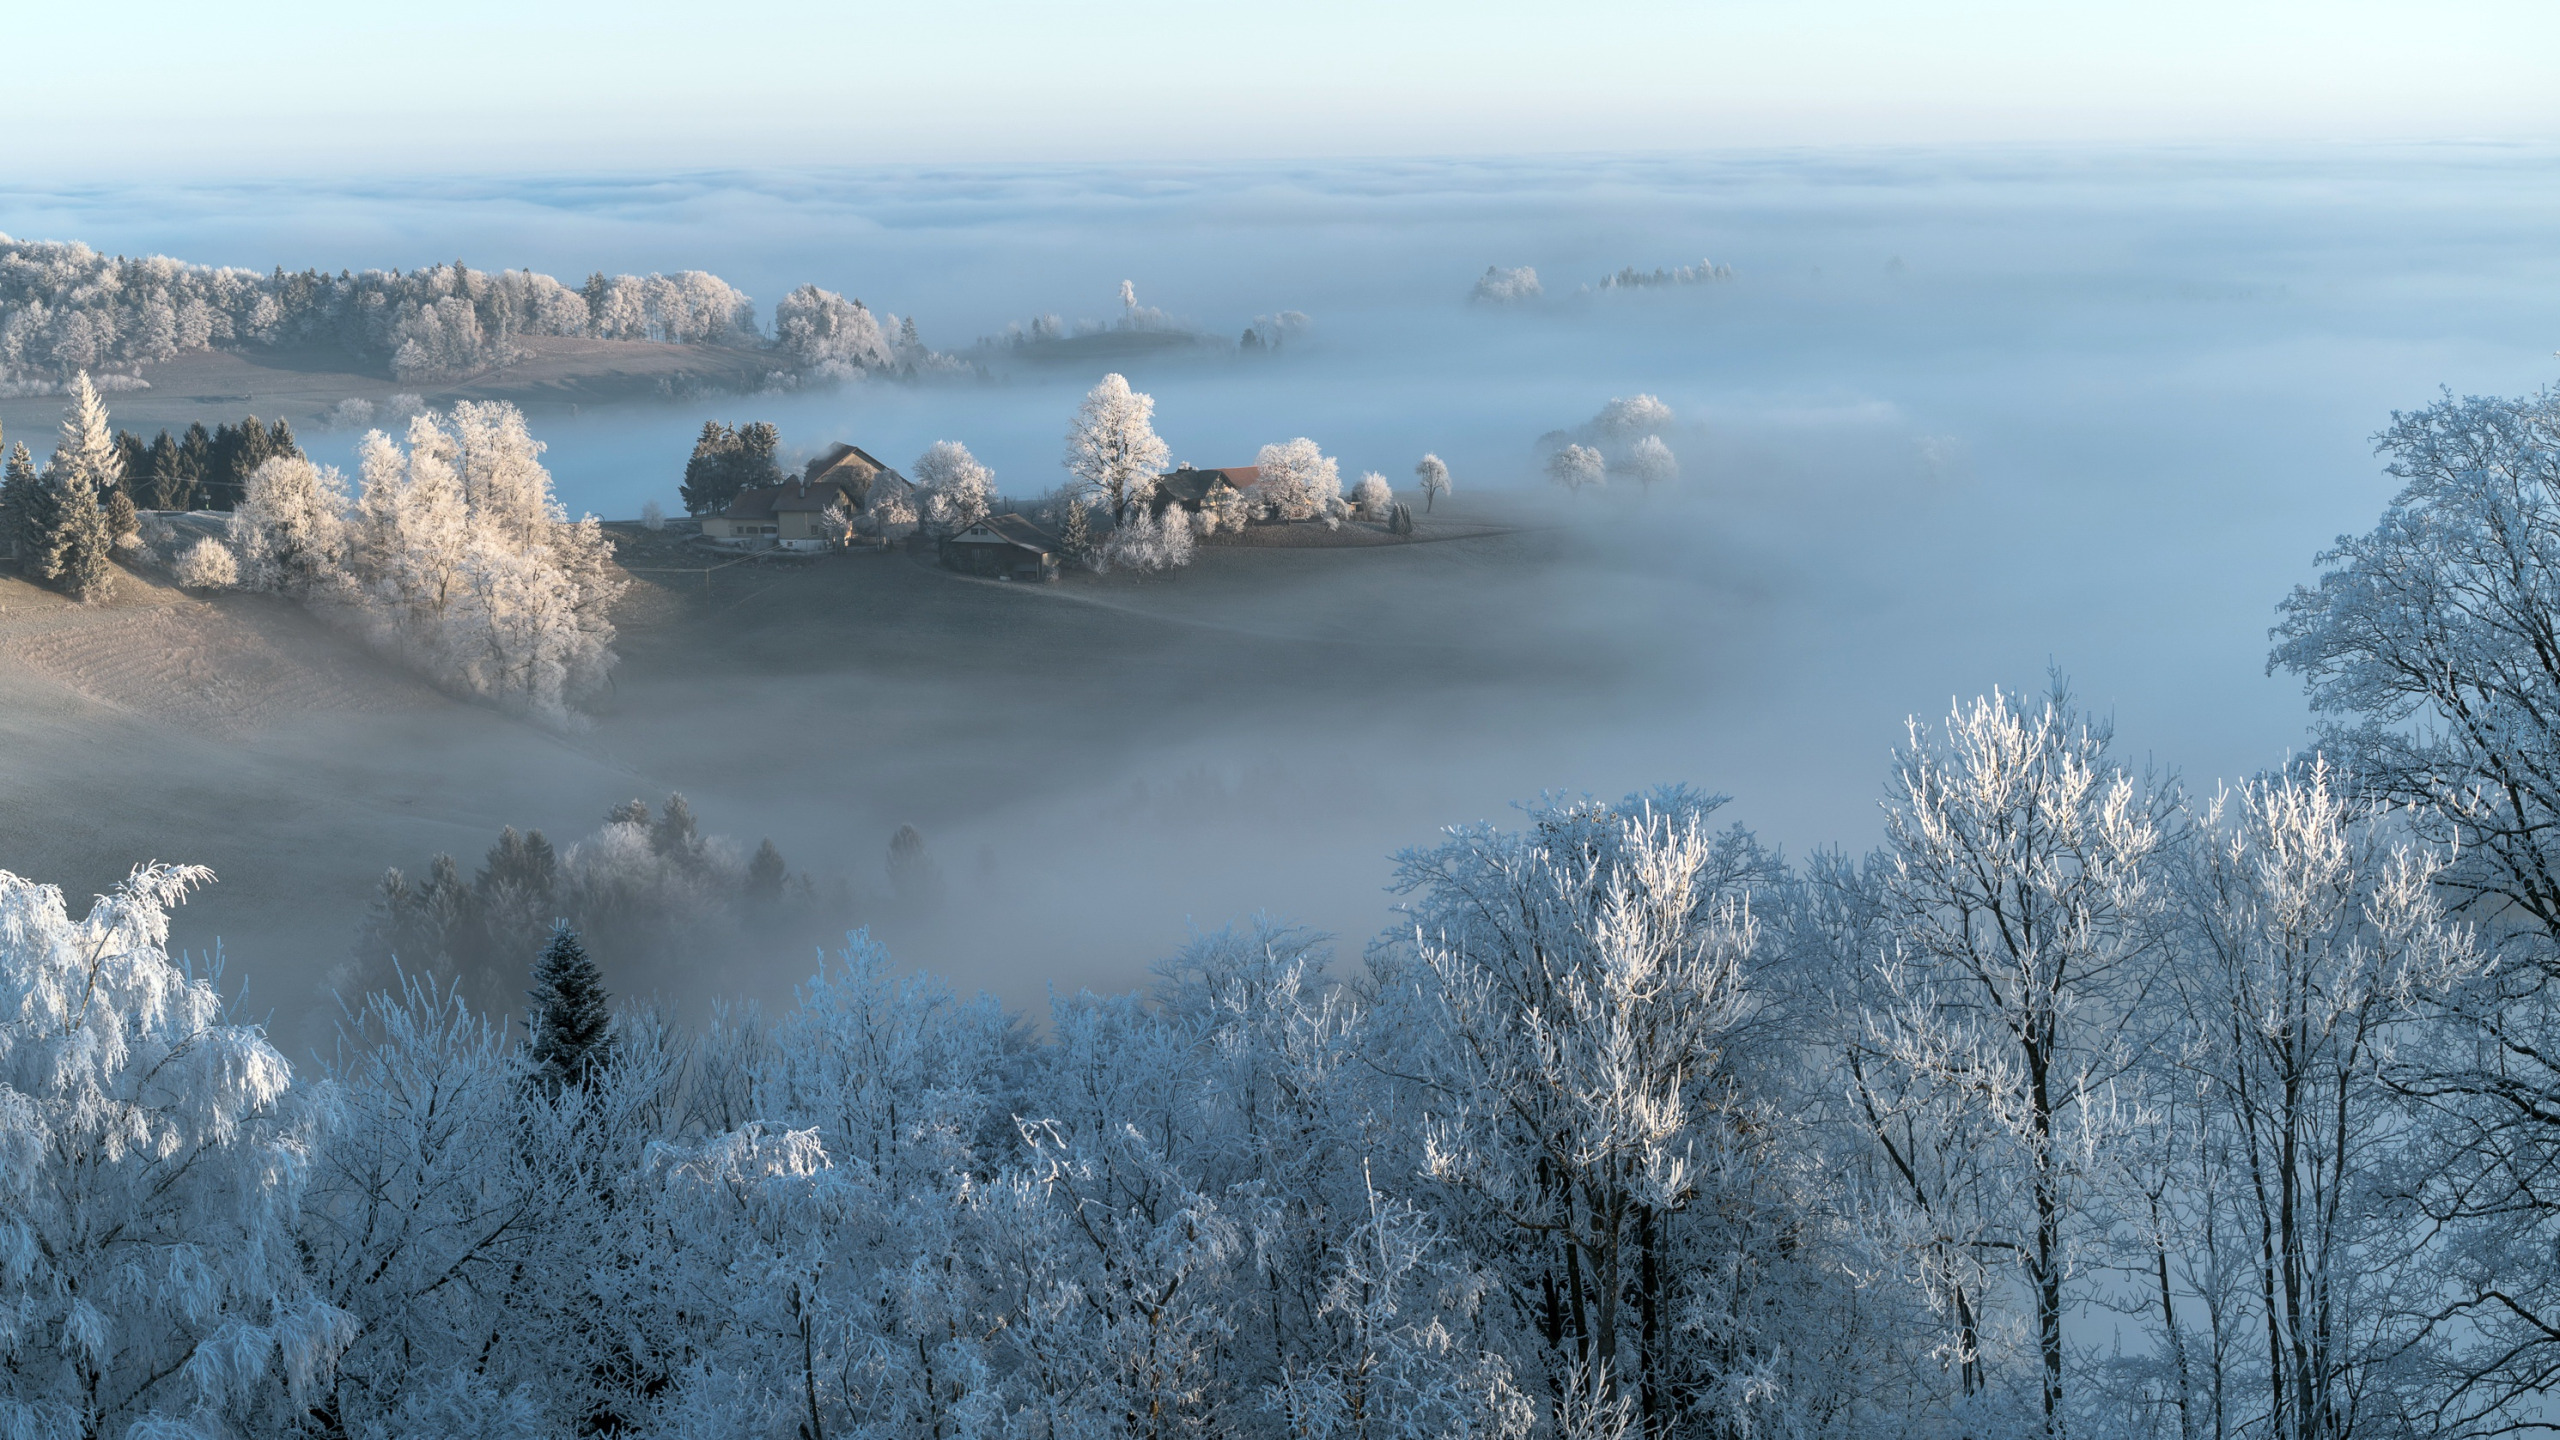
779,517
786,516
1191,488
1007,547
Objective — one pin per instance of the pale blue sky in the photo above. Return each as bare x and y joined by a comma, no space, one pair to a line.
476,84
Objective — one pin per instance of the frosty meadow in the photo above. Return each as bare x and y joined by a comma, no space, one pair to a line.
1061,1005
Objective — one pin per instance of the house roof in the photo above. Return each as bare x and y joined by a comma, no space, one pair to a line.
763,502
1191,486
1016,529
852,459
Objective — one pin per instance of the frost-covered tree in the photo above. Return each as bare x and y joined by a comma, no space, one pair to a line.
1432,473
957,490
829,336
290,532
208,564
1371,497
653,516
154,1152
2021,893
1498,286
470,571
1146,542
1629,416
1578,468
1594,1052
1112,450
1296,480
76,546
2421,643
1652,462
2307,923
23,505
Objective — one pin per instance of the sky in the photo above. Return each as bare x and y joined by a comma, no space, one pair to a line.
472,86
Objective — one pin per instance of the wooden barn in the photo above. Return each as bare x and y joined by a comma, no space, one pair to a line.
1003,547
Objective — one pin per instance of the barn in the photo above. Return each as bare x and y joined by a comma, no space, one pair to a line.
1004,547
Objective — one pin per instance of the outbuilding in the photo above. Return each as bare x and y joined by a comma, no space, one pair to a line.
1003,547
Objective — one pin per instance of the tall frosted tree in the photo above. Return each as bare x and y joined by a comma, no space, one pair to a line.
77,549
1112,449
571,1016
2020,894
957,489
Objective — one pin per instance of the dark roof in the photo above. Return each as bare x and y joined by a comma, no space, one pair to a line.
1191,486
1017,529
763,502
840,456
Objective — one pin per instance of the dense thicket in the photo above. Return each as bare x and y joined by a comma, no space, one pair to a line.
2082,1105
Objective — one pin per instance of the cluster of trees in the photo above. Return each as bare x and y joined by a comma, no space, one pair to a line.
1499,286
201,469
1705,272
63,523
1623,439
65,308
453,558
651,890
1115,462
727,459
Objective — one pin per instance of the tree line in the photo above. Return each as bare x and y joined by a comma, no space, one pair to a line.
66,309
2085,1103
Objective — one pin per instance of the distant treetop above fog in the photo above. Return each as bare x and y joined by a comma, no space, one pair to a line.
1497,286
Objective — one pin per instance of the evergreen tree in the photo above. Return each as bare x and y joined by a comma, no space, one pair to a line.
709,476
26,508
1075,534
758,444
195,462
280,441
765,873
122,518
133,459
634,811
158,479
676,838
76,550
75,554
571,1019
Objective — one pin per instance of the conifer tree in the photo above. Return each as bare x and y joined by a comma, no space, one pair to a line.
77,546
1075,534
571,1019
709,477
21,505
765,873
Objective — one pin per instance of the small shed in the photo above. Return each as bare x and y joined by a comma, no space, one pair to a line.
1003,547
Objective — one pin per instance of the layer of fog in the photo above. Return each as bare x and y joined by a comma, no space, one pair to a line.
1956,419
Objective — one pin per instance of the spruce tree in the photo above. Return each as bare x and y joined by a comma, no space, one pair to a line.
571,1018
77,554
1075,534
26,509
77,549
765,873
710,476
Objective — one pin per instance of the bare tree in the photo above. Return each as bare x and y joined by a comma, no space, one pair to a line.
1433,474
